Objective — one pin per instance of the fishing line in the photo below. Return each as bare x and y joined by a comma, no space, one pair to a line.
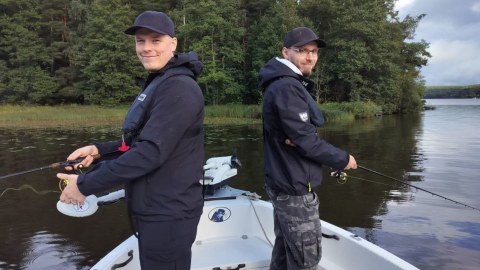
371,181
342,178
25,186
419,188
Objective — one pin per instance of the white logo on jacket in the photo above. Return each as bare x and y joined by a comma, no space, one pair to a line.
303,116
141,97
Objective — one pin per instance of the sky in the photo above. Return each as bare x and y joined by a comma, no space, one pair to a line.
452,28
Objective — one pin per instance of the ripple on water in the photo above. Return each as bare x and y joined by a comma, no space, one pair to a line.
51,251
7,266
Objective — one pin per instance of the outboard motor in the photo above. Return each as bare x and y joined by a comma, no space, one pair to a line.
217,170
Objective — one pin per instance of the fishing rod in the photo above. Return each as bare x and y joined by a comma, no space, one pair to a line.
56,165
419,188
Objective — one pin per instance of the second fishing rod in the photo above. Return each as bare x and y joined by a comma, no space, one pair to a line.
416,187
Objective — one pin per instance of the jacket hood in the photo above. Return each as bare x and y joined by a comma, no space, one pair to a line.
188,60
275,69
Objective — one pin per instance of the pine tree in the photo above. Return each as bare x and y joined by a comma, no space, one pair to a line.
107,58
214,29
24,55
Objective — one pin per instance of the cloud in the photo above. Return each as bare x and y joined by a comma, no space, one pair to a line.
453,30
455,62
476,7
404,4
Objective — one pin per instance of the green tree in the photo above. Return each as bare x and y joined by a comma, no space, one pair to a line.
62,51
215,30
414,56
56,29
160,5
24,55
364,59
255,9
106,56
266,41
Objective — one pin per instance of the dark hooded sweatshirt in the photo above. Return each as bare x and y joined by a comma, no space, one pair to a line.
162,168
289,111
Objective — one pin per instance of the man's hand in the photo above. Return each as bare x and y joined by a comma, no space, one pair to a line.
88,152
352,163
71,194
290,143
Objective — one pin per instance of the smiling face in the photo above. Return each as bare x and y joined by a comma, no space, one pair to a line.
304,57
154,49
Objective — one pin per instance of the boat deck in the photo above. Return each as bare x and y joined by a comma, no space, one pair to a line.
236,233
231,253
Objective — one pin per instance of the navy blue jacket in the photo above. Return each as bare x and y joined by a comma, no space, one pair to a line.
289,111
162,169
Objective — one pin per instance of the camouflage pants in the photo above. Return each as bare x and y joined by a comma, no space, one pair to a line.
297,230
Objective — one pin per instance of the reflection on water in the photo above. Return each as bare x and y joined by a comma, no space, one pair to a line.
445,235
427,231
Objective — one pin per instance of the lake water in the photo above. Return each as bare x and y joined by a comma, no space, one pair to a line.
437,150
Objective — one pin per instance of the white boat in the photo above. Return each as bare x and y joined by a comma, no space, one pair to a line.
242,237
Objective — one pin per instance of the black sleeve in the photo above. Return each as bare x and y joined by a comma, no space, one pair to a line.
293,113
173,111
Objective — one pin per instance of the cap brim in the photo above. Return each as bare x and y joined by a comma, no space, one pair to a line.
320,43
132,30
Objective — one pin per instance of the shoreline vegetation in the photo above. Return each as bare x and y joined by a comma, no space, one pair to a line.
91,116
74,53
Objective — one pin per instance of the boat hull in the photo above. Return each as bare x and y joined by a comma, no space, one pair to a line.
242,237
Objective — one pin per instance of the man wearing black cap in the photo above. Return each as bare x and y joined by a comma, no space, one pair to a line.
161,153
293,151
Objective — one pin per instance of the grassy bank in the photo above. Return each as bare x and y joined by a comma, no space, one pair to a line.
73,116
60,116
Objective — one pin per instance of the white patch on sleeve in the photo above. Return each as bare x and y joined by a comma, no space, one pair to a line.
303,116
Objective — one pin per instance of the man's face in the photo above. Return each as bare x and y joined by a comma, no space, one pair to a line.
304,58
154,49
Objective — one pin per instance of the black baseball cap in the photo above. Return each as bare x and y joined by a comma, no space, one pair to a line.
300,36
154,20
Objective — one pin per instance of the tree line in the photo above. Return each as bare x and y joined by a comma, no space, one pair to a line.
467,91
75,51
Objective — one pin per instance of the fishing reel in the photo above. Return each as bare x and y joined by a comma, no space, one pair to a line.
90,205
87,208
341,176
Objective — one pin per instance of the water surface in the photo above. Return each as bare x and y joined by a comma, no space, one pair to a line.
437,150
